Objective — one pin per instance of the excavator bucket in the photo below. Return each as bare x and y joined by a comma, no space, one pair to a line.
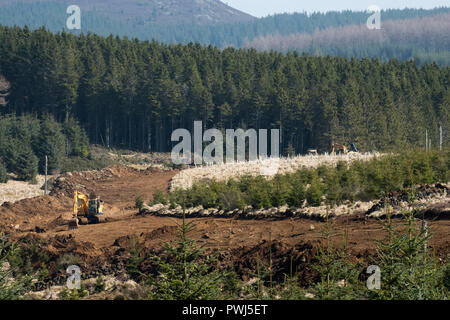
73,224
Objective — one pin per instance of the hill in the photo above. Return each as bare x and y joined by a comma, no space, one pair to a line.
144,12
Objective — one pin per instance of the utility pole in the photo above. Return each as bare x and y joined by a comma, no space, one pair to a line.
46,166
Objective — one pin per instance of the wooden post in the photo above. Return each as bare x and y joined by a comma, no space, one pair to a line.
46,166
425,232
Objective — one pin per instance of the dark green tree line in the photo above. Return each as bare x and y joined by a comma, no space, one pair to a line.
133,94
26,140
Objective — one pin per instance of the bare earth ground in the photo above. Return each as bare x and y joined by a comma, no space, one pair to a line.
221,233
46,217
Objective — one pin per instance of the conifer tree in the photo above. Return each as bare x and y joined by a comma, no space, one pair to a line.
26,166
51,143
3,173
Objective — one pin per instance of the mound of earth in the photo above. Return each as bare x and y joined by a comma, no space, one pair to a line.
67,183
118,186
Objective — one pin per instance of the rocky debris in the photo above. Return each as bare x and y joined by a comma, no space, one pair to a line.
63,186
113,286
69,182
53,293
426,196
283,212
437,211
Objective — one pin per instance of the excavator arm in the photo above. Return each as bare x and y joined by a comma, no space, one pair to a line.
80,207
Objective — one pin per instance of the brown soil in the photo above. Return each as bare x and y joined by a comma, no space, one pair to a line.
238,242
117,186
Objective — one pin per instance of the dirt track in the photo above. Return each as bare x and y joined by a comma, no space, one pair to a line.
119,188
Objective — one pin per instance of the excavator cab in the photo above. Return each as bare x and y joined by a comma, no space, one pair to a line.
95,207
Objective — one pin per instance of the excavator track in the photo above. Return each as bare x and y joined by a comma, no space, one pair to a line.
101,219
97,219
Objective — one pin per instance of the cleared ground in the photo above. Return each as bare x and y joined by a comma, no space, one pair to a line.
46,217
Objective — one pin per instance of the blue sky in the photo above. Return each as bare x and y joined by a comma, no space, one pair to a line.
261,8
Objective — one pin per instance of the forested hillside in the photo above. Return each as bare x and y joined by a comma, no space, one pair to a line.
420,38
52,15
174,22
133,94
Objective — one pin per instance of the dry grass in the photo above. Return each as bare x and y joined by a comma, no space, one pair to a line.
17,190
267,167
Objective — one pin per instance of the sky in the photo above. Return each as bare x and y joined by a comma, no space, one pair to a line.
261,8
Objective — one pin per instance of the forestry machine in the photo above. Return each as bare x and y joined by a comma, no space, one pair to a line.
86,210
342,149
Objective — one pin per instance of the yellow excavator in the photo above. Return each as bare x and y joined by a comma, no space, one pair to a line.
342,149
338,148
86,210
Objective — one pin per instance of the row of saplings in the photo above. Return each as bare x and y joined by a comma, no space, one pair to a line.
406,265
362,180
